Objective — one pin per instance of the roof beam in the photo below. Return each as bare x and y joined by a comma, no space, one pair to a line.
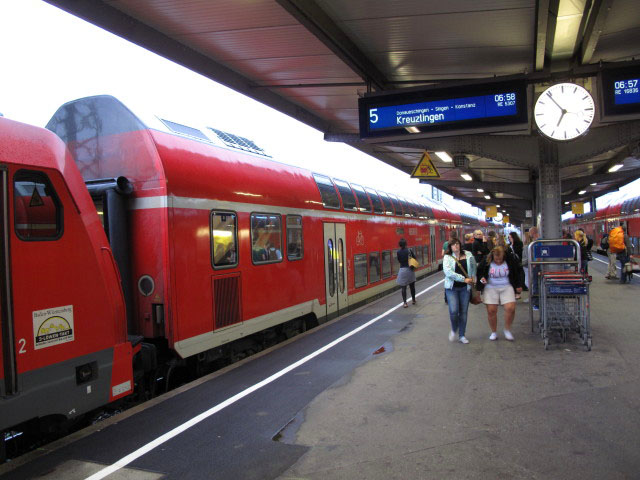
583,182
597,18
546,20
115,21
314,19
522,190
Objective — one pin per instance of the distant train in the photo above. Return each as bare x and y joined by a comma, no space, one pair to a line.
623,210
131,248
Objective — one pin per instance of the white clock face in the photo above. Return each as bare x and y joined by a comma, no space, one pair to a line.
564,111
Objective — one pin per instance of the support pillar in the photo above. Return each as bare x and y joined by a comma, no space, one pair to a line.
549,192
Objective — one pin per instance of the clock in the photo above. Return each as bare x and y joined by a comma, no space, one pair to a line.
564,111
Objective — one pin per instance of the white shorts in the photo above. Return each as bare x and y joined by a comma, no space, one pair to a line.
498,295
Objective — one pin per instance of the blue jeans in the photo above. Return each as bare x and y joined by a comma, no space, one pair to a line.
458,298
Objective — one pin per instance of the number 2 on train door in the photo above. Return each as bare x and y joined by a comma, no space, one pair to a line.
335,269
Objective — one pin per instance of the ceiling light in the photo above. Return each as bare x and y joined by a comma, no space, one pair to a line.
616,167
497,206
582,192
444,156
567,203
480,190
466,176
412,129
487,197
593,184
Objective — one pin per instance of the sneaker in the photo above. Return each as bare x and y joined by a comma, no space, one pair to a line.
508,335
463,340
452,336
493,336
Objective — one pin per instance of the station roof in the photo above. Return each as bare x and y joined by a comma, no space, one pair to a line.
313,59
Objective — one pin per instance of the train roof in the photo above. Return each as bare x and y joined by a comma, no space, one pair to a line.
178,151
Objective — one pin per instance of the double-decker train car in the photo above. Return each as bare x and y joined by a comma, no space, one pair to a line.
144,246
623,209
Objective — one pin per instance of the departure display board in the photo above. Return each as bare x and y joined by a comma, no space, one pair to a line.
444,111
620,93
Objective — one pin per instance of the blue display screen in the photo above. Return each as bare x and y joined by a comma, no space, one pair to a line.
626,91
443,111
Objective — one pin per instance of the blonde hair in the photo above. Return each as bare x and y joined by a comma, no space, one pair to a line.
476,232
578,235
499,248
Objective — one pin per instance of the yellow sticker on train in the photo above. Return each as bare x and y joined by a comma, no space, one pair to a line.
53,326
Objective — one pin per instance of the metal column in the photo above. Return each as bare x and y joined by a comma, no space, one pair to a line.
549,192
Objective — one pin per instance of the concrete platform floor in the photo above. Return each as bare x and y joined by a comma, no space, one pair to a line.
431,409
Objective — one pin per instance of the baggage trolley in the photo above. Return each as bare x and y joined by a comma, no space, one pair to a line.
562,295
564,307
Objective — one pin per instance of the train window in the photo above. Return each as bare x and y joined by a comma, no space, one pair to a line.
341,267
386,263
397,206
395,265
377,203
38,213
266,238
348,200
363,200
420,254
426,254
360,270
374,267
388,207
442,234
294,237
224,239
331,266
327,191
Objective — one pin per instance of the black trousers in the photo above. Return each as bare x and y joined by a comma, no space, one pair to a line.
412,287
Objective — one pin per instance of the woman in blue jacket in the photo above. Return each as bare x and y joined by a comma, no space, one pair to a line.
459,275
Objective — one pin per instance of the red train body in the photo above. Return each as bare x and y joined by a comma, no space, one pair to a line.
201,247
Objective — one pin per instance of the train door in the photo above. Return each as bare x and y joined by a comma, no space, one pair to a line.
432,248
8,371
335,269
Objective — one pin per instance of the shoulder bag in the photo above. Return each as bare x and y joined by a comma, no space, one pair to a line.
413,263
475,299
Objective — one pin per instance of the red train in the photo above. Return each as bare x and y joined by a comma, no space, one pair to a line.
625,210
129,249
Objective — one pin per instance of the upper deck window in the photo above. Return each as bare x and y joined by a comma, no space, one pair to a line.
185,130
396,204
346,194
327,191
363,200
388,207
37,210
377,203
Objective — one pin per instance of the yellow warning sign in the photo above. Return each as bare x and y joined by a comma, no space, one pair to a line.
36,199
491,211
577,208
425,168
505,219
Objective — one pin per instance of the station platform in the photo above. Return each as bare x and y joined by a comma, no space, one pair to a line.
382,394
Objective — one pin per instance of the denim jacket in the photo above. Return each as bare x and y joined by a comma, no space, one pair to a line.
449,268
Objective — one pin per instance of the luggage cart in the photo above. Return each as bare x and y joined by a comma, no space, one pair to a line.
564,307
562,295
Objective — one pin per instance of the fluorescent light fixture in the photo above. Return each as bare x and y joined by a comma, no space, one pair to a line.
480,190
487,197
567,203
466,176
412,129
616,167
497,206
444,156
593,184
582,192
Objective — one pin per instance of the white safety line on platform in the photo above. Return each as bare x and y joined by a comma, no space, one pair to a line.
123,462
607,263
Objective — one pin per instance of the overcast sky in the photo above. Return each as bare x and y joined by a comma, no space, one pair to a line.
50,57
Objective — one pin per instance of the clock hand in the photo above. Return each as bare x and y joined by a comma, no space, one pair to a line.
561,117
553,100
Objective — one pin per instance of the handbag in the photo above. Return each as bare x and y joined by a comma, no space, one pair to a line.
476,298
628,268
413,263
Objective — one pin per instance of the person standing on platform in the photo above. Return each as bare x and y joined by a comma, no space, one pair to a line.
459,268
499,278
620,244
445,247
516,248
479,247
406,275
581,238
533,282
604,245
468,242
